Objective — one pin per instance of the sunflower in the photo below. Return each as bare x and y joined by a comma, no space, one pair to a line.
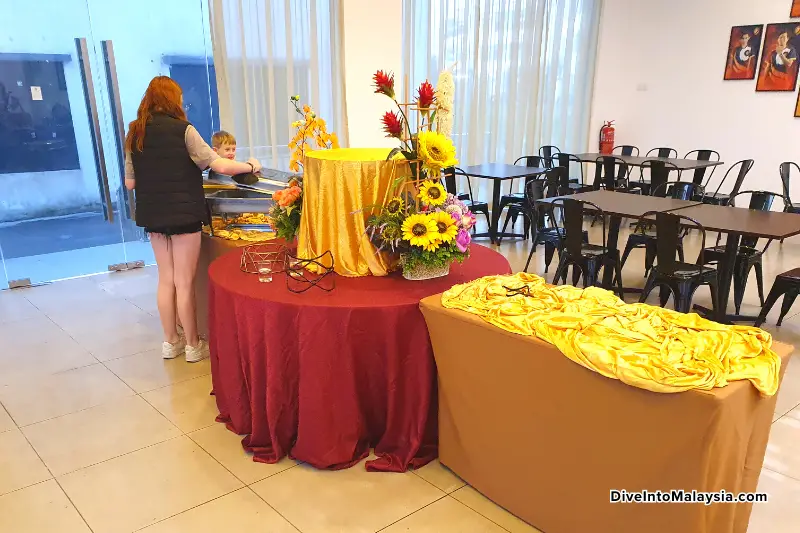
395,206
420,230
432,193
445,226
436,151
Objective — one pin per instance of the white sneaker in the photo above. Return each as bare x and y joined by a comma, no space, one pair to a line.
197,353
171,351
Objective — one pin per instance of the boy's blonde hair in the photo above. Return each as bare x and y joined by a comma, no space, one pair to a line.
222,137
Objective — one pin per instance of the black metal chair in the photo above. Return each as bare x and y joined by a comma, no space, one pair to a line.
517,199
786,175
547,153
700,173
786,285
646,236
749,255
574,185
585,259
662,152
625,149
742,168
451,186
478,208
681,279
611,174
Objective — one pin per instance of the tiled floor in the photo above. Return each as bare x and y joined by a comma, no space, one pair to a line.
99,434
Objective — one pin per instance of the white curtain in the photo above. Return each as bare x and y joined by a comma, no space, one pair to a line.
264,52
523,71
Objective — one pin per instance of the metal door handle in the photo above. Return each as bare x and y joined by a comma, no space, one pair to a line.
119,123
94,127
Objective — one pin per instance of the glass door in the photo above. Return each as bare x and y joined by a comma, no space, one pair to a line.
71,78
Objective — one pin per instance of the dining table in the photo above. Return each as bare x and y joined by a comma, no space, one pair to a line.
658,164
499,173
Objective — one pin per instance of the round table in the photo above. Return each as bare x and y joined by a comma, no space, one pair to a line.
323,377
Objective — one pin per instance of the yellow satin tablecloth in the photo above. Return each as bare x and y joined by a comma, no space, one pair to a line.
337,185
644,346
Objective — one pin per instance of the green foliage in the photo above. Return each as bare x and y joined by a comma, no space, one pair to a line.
444,255
286,222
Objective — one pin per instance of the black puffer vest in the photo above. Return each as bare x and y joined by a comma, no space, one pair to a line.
169,186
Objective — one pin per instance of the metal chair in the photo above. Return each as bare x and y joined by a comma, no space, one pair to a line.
742,169
786,173
786,285
518,198
574,185
699,173
662,152
451,186
646,236
749,255
611,174
625,149
679,278
585,259
547,152
476,207
659,174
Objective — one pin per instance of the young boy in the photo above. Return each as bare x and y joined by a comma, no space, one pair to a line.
224,144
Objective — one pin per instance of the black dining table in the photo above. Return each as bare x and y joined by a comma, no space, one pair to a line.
498,173
619,205
658,165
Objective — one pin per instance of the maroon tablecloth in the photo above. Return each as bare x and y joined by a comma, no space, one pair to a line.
324,377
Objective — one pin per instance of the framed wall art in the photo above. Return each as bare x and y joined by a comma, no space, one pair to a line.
744,49
795,8
779,65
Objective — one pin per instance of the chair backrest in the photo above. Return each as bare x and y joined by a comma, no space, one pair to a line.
742,168
564,160
699,173
659,173
450,180
678,190
533,161
626,149
547,152
457,172
669,228
662,152
786,174
571,222
609,170
759,201
543,186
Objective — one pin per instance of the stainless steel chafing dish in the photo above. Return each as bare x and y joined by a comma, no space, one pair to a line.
245,193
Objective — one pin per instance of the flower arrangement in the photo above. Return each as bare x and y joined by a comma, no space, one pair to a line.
434,150
288,206
285,212
428,239
311,127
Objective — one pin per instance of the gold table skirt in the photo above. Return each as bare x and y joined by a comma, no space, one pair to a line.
339,188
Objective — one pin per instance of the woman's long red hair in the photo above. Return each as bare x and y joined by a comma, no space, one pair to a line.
163,95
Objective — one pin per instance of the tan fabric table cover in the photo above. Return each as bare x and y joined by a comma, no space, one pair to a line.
210,249
548,439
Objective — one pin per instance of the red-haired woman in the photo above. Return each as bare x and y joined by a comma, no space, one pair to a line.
164,160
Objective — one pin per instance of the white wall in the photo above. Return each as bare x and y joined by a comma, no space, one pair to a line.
373,40
659,75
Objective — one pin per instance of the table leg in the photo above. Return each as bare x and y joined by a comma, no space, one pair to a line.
496,211
725,273
612,242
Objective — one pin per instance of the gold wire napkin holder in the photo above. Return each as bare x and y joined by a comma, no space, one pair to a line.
267,252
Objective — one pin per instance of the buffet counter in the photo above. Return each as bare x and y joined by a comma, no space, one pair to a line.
210,249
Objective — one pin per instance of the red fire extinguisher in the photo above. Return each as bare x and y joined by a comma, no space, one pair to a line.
607,133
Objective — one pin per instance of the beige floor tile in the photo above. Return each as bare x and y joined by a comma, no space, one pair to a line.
351,500
19,465
148,371
783,450
75,441
42,508
146,486
30,332
445,515
239,511
6,422
484,506
440,476
789,393
119,338
226,447
131,283
23,360
114,314
189,404
145,302
794,413
781,514
79,296
34,400
14,307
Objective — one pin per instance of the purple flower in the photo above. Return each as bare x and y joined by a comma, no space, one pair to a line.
462,240
456,215
468,220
